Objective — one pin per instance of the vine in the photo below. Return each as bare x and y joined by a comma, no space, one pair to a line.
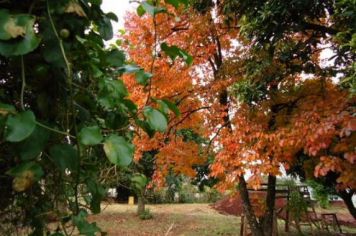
72,109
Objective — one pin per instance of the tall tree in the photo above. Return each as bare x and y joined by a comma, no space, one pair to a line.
260,73
168,86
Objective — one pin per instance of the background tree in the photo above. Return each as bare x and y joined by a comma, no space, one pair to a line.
170,87
291,38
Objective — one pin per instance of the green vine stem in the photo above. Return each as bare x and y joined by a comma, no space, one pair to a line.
55,130
23,85
71,102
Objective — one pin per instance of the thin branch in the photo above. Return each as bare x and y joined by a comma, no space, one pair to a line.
188,113
212,66
169,229
216,134
320,28
154,57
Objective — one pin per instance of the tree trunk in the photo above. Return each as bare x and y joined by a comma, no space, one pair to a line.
140,204
270,203
347,197
255,227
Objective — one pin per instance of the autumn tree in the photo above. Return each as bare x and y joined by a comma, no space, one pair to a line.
285,43
168,85
258,71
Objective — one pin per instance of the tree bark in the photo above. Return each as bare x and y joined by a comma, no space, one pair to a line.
140,204
347,197
270,204
255,227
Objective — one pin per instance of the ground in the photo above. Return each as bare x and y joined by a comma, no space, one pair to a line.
174,220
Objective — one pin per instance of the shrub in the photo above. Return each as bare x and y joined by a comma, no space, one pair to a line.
320,193
146,215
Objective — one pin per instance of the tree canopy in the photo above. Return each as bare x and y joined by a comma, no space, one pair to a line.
244,82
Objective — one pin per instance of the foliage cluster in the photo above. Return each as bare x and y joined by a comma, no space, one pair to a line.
270,99
320,193
146,215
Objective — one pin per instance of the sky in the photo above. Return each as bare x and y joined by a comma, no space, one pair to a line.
119,7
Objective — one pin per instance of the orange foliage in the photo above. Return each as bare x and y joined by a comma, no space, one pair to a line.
312,116
316,119
173,81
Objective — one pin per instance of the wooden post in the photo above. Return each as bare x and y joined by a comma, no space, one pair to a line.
286,226
131,200
242,225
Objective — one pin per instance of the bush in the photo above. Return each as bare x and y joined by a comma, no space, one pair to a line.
212,194
320,193
146,215
188,193
296,205
156,196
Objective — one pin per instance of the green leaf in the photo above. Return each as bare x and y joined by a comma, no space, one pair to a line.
97,192
35,168
172,107
20,126
162,106
96,2
51,52
177,3
166,105
5,19
32,146
142,77
116,120
105,29
155,119
185,2
96,71
84,227
17,35
150,9
146,127
115,58
112,16
130,68
90,135
111,92
129,105
6,109
65,157
57,234
139,182
174,3
173,52
140,10
118,150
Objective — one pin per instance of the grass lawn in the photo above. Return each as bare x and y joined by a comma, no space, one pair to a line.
176,219
170,219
